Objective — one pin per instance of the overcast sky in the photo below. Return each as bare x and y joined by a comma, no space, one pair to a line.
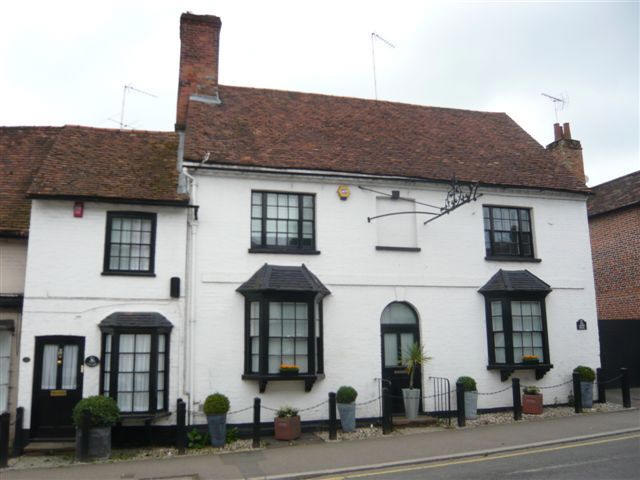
66,62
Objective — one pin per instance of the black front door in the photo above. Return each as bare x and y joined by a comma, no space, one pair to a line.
57,385
399,330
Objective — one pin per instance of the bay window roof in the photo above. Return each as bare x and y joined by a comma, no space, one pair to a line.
515,281
284,279
135,320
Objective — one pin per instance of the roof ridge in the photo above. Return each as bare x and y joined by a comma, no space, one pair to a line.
615,179
118,130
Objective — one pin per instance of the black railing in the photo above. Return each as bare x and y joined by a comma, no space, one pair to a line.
442,397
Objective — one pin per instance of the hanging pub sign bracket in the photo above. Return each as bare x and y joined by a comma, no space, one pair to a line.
458,195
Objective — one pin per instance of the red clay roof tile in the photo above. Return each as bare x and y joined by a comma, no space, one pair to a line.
614,194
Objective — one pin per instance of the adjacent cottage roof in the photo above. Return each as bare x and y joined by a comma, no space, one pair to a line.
514,281
22,151
271,128
614,194
110,164
279,278
136,320
83,162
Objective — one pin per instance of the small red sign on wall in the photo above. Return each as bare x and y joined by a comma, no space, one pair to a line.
78,209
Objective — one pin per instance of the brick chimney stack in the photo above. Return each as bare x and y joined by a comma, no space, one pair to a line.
199,49
566,150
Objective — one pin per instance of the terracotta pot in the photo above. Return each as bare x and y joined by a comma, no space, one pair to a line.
532,404
287,428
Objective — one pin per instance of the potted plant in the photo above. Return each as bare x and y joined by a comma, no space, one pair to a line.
215,408
103,414
532,400
288,369
587,376
287,424
346,398
470,397
530,359
413,358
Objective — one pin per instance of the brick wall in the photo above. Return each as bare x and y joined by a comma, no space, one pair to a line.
615,244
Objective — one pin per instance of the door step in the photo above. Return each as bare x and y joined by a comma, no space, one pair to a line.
49,447
421,421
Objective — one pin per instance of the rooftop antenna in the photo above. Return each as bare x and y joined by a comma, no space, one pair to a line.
125,89
558,103
375,36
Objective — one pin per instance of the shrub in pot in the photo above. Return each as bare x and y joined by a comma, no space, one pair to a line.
215,408
413,358
286,425
587,376
532,400
470,397
346,397
103,414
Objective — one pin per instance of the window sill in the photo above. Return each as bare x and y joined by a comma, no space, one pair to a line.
284,251
507,258
309,379
129,274
507,369
398,249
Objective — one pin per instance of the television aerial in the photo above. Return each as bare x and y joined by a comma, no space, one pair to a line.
559,103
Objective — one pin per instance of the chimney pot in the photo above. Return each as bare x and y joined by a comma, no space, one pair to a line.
557,131
566,131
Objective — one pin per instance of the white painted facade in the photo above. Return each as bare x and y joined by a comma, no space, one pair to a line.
66,293
441,282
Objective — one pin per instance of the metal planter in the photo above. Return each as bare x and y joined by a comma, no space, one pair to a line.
99,442
411,398
470,405
347,413
586,390
217,429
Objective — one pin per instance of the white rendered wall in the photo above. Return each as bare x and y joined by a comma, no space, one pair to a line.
65,293
440,281
13,260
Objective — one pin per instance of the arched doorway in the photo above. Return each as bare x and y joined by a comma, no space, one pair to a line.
399,330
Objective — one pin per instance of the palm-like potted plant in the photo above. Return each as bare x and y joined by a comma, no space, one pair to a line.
346,398
470,397
286,425
103,414
531,400
215,408
414,357
587,376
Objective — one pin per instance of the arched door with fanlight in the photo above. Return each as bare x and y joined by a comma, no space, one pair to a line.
399,330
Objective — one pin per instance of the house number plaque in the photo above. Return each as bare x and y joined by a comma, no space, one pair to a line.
581,324
91,361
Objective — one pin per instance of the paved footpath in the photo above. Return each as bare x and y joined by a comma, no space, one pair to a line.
296,461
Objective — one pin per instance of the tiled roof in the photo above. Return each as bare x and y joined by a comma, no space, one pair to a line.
110,164
280,278
22,150
258,127
136,320
618,193
515,281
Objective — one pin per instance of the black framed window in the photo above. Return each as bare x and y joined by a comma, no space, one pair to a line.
130,243
507,232
516,327
282,221
135,369
283,328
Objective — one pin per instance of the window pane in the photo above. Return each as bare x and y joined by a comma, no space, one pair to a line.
517,323
255,345
275,328
49,367
274,364
287,346
288,328
406,340
125,402
160,400
256,212
498,339
497,324
141,402
69,367
161,343
390,350
398,313
274,346
288,311
126,343
160,381
275,310
302,327
301,311
537,339
142,362
143,343
256,198
301,346
255,363
517,355
141,382
500,355
125,382
126,362
303,363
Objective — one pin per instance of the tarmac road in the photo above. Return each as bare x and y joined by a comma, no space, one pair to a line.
616,457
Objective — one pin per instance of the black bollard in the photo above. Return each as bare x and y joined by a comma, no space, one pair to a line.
577,393
255,443
18,442
387,422
460,404
517,400
181,434
4,440
84,436
602,395
626,391
333,424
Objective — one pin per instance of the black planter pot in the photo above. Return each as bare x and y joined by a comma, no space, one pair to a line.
99,442
217,429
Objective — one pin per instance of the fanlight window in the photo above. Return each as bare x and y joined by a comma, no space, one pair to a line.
398,313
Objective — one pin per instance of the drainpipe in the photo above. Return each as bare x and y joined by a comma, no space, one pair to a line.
190,317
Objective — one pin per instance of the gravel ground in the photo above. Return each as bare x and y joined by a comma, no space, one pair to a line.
359,434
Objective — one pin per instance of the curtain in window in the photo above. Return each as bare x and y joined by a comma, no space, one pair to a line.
133,372
5,359
49,367
288,335
69,367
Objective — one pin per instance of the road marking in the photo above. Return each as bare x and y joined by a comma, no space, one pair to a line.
478,459
568,465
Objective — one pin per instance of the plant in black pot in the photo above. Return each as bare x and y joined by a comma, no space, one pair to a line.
470,397
413,358
587,376
215,408
346,397
103,413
